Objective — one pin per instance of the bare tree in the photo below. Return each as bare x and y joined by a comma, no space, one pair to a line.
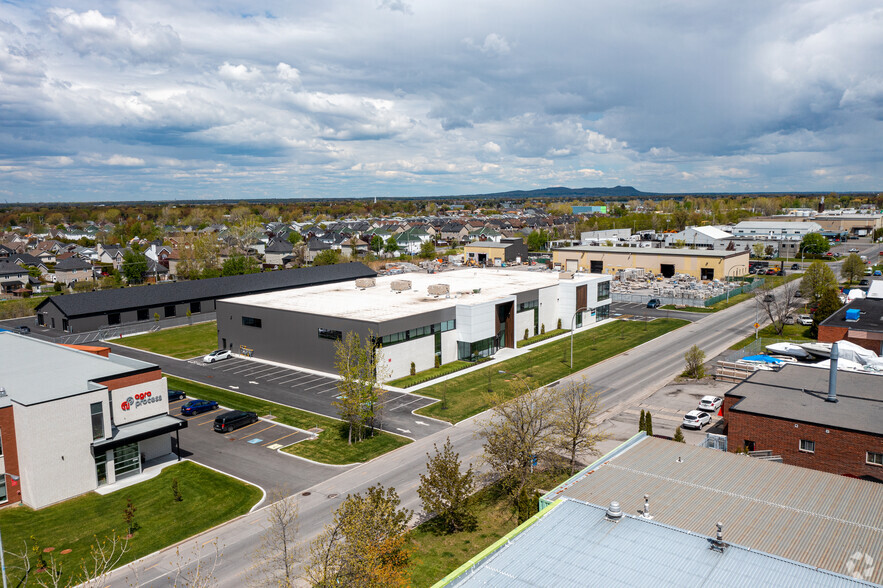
104,556
777,306
276,557
196,569
518,433
575,428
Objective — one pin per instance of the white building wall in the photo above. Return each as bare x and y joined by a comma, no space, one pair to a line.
566,302
54,448
156,447
449,346
140,406
397,358
548,307
475,323
524,320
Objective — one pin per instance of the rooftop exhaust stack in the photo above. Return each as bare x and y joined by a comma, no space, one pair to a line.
2,391
832,376
646,514
717,543
614,512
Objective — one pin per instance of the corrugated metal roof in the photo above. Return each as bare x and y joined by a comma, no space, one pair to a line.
575,545
805,515
105,301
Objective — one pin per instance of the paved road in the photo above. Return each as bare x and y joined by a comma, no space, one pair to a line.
290,387
623,380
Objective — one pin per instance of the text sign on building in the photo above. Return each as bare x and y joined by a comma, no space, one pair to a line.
140,401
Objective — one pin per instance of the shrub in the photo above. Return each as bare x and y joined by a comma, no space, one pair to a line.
543,329
559,323
679,436
526,332
413,368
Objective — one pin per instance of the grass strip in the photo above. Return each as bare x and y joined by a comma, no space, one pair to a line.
797,333
541,337
465,396
209,498
431,374
330,447
179,342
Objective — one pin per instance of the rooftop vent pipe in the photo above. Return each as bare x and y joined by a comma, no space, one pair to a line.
614,512
832,376
2,391
717,544
646,514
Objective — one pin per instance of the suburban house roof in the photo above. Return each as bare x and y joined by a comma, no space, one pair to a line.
804,515
7,269
797,393
72,264
88,303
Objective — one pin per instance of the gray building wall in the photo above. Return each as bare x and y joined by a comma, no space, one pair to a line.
93,322
293,337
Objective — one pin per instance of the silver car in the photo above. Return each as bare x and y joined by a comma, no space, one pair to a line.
695,419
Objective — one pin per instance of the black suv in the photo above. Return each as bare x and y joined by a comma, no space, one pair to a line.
233,420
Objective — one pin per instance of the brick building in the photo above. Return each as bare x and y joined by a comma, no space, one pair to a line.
866,330
787,413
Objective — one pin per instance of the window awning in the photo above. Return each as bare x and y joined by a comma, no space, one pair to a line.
139,431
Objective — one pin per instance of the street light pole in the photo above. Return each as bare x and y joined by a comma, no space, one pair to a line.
727,280
572,319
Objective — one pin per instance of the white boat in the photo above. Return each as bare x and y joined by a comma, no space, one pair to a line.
818,349
790,349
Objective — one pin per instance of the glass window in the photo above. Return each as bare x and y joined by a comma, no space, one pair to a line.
808,446
874,458
330,334
1,444
195,307
143,314
603,291
101,468
97,410
126,460
113,318
251,322
3,496
170,311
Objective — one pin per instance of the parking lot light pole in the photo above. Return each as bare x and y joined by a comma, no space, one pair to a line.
572,320
728,280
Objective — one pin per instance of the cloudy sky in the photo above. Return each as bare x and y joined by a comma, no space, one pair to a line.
147,99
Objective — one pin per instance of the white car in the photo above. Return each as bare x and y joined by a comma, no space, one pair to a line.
854,250
695,419
710,403
217,355
805,320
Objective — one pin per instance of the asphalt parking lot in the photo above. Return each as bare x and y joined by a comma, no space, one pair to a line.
249,453
639,311
308,391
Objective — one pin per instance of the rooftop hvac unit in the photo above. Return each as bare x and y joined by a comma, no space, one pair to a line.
438,289
363,283
400,285
853,314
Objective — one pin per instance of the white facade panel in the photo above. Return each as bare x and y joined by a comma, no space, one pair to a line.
524,320
134,403
397,358
475,323
449,346
156,447
548,308
54,448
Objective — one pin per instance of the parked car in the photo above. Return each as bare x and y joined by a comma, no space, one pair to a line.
197,406
710,403
654,303
878,273
233,420
789,320
769,298
865,282
23,329
805,320
217,355
868,271
795,266
853,250
696,419
176,395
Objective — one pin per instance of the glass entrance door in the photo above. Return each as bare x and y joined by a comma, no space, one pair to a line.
126,461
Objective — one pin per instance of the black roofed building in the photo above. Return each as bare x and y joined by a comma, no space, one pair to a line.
90,311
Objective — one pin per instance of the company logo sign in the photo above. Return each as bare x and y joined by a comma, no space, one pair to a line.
139,400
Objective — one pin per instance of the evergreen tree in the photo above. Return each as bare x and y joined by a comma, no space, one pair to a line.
648,424
641,421
679,436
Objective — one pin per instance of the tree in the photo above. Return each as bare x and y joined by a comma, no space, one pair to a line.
134,266
757,250
360,369
829,303
648,424
679,436
376,243
575,429
814,244
777,306
238,264
198,256
427,249
445,489
391,245
518,432
129,517
294,237
817,278
642,421
276,557
538,240
853,268
327,257
365,546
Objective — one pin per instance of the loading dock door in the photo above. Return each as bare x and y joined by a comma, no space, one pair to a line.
667,269
706,273
596,267
570,265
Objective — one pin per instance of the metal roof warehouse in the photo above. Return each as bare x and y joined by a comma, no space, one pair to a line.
89,311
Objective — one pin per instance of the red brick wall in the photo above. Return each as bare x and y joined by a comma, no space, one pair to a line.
833,334
122,382
10,453
836,452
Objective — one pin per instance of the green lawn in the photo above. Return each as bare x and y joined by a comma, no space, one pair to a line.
331,446
795,333
19,307
209,498
430,374
437,555
464,397
542,337
178,342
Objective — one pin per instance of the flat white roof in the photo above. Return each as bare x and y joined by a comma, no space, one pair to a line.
381,303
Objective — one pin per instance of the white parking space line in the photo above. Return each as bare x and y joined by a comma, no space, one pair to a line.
259,370
310,381
286,374
247,370
270,373
418,399
331,389
238,364
322,383
301,377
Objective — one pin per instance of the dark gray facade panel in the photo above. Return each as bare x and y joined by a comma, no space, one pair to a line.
293,337
82,324
527,296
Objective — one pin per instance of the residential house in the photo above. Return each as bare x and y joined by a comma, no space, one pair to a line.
13,278
275,250
73,270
